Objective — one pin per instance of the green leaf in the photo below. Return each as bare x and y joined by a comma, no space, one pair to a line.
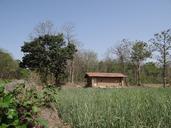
27,103
11,113
4,126
43,122
1,88
35,109
6,101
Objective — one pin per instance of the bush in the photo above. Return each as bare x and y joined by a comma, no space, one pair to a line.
19,108
22,73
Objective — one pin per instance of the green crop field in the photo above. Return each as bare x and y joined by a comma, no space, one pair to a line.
116,108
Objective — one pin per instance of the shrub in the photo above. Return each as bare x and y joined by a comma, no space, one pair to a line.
19,108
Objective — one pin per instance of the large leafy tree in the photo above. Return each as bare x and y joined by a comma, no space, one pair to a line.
140,52
48,54
162,44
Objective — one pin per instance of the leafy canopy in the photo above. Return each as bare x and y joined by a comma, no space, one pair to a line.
140,51
48,54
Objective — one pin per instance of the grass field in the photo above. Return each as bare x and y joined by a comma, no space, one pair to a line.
116,108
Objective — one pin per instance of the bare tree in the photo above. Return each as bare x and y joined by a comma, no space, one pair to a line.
123,53
43,28
68,31
85,61
162,44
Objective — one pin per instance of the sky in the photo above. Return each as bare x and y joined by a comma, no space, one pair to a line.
99,24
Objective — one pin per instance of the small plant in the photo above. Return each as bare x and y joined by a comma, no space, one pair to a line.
19,108
8,110
49,93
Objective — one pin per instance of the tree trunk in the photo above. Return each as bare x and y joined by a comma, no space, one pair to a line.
164,68
135,74
72,71
164,74
57,83
122,64
138,75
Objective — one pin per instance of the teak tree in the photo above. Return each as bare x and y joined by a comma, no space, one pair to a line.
162,44
48,54
139,53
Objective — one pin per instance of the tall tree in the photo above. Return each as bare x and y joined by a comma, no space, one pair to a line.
48,53
123,53
162,44
68,31
85,61
139,53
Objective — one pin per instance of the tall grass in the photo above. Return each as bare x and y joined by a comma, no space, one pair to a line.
116,108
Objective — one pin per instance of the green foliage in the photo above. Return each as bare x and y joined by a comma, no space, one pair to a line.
20,107
9,68
48,54
49,94
22,73
151,73
116,108
8,112
162,44
140,51
8,65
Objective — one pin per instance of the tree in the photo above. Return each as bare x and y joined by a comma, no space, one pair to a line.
123,53
68,30
59,56
48,54
139,53
43,28
151,73
162,44
84,61
8,65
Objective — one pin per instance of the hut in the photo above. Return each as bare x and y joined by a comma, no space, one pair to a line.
103,80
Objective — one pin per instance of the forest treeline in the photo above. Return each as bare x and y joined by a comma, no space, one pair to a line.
59,56
9,67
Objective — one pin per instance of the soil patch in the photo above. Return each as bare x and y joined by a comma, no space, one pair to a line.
52,117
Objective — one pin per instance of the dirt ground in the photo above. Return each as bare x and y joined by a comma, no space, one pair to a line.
52,117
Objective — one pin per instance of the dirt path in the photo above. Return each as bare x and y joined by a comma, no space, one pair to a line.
10,86
53,119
